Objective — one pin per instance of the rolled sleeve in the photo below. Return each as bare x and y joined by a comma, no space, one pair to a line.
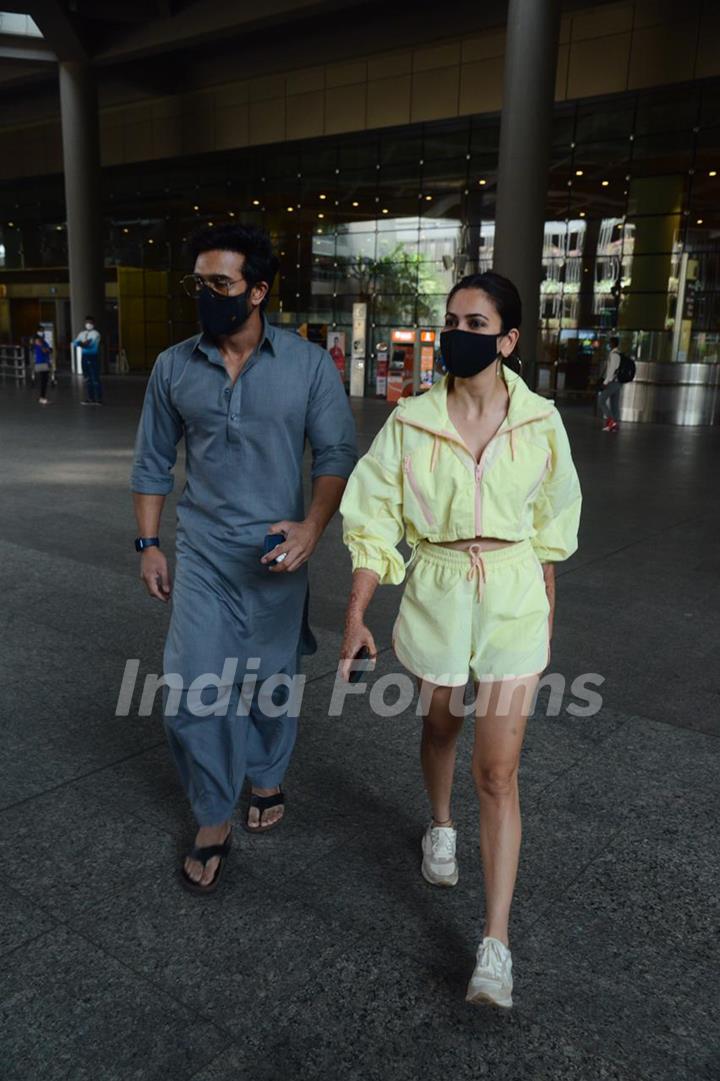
329,424
159,431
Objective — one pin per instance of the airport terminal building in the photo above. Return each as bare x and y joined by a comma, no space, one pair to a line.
371,156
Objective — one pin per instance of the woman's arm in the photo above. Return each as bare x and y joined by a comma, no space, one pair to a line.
356,634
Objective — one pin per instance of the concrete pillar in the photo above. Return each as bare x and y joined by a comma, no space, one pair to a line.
81,160
533,30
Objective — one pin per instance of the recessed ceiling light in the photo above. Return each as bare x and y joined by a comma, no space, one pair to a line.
713,172
482,182
151,241
231,213
256,202
196,207
11,224
582,213
385,210
428,198
356,204
323,196
578,172
321,215
699,221
290,209
605,183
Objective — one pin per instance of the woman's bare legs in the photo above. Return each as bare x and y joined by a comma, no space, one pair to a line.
501,716
437,748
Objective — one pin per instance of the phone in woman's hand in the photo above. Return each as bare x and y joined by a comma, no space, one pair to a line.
357,674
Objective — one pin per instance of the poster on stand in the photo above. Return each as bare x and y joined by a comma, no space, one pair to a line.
359,338
381,370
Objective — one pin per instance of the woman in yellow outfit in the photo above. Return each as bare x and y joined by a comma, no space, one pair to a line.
477,475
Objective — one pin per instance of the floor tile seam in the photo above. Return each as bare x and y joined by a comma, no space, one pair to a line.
80,777
631,544
605,1055
75,931
311,971
671,724
600,851
68,561
4,957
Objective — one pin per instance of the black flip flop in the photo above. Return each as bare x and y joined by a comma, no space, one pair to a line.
264,803
203,855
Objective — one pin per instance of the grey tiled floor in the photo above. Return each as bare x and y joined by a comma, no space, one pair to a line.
325,954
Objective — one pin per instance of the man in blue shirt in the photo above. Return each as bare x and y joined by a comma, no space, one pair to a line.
89,341
246,396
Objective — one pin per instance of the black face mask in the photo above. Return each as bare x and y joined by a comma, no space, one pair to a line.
465,353
220,315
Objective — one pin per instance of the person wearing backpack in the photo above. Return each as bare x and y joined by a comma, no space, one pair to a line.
609,397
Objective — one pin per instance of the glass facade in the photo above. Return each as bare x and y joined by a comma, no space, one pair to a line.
393,218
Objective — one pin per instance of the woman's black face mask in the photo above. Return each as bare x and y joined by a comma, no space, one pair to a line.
221,315
465,353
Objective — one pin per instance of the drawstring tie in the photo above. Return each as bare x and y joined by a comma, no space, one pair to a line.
477,568
436,447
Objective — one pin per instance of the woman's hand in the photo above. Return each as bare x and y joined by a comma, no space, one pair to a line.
356,636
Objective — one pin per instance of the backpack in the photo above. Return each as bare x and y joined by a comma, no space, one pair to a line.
626,369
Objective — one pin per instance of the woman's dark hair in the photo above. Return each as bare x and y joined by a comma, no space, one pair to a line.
506,301
501,291
261,263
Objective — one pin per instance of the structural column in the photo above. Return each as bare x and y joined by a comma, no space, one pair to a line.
81,159
533,30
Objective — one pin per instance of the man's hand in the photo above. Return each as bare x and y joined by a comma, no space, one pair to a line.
356,636
154,573
301,539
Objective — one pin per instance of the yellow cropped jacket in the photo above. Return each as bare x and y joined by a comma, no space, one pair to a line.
420,481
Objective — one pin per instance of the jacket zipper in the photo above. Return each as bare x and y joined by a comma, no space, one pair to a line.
407,465
478,467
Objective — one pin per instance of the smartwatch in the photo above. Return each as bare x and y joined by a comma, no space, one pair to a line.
141,543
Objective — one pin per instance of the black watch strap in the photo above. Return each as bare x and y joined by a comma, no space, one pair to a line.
141,543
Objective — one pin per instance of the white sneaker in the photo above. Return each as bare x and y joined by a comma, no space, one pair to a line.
491,982
439,866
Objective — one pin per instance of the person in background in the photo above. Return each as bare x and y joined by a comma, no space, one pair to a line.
42,354
338,354
89,341
609,397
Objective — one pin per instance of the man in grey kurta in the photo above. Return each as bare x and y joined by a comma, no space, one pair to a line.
244,445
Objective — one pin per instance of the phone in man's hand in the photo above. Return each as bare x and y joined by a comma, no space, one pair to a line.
271,541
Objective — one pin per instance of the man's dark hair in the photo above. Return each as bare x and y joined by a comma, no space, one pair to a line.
614,342
89,319
261,263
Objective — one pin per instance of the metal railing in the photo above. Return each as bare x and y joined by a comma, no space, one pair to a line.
13,361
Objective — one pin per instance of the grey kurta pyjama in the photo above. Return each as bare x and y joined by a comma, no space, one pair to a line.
244,447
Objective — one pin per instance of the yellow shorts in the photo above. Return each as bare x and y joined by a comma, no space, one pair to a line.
485,613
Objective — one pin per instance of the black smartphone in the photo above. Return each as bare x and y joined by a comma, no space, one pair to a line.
357,674
271,541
